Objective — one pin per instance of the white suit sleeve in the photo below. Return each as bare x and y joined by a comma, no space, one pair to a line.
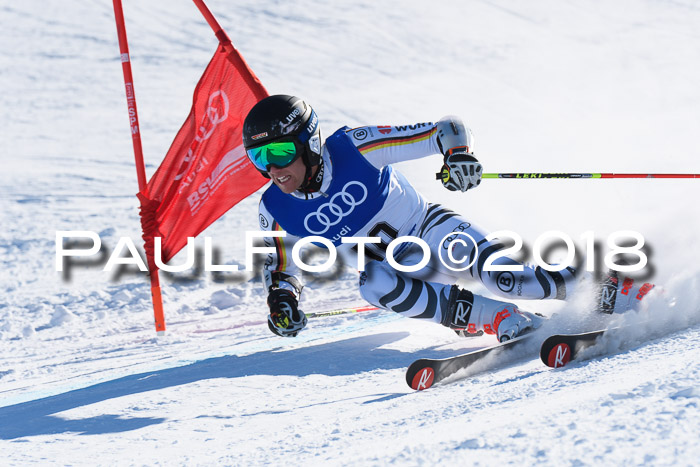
385,145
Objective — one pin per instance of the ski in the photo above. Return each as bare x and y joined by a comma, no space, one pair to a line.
425,372
560,349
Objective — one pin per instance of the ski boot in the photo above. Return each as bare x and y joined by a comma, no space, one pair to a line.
618,296
471,313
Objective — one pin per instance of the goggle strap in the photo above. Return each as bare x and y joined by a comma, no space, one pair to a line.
310,129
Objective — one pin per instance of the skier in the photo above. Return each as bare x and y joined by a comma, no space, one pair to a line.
348,188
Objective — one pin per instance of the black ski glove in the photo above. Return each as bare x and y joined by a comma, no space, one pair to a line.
285,319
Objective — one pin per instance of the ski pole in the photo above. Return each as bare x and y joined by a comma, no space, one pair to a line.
342,311
586,175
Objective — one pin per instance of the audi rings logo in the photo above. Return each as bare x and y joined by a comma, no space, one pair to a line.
340,205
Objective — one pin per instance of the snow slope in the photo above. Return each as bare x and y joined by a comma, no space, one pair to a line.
548,86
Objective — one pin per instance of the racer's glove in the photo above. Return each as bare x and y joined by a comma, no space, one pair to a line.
460,172
285,319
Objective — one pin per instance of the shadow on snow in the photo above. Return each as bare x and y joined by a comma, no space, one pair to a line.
358,354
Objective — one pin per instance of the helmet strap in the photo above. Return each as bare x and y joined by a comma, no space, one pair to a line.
312,181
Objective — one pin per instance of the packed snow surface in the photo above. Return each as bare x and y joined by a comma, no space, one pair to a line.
546,86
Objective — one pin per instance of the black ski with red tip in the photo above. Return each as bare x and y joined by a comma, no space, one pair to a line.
425,372
560,349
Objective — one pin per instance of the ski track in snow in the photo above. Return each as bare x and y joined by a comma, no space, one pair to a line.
554,86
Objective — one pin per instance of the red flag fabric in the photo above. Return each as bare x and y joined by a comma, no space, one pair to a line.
205,171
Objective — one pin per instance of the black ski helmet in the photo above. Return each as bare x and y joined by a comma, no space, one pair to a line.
283,117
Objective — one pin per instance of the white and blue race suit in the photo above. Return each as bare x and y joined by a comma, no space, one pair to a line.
361,195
